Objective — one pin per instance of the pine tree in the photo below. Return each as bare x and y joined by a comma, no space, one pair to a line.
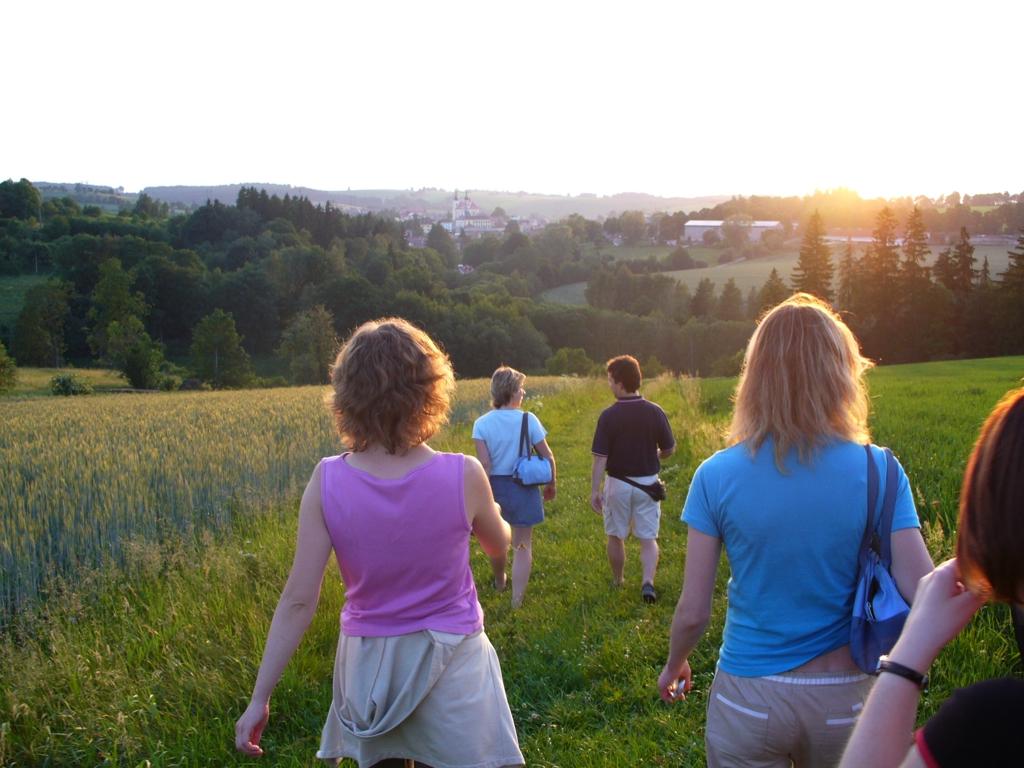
730,303
1013,277
703,302
753,303
1011,293
877,291
848,268
985,274
962,263
813,271
774,291
915,250
942,269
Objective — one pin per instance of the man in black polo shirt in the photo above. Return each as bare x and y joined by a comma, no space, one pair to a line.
632,436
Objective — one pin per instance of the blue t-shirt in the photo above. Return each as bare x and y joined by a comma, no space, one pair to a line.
792,541
499,429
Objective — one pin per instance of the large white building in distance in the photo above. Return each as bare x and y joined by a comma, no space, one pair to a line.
693,231
468,218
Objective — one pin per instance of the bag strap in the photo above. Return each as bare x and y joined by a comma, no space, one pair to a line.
634,483
869,526
888,508
525,448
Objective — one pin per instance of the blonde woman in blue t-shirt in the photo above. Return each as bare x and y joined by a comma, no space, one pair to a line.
788,501
496,437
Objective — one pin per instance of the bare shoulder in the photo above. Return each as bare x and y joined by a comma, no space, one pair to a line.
473,470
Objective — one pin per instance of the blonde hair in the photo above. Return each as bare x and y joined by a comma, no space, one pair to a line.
802,381
505,382
392,386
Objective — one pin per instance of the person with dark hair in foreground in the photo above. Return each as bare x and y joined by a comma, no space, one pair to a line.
415,677
978,725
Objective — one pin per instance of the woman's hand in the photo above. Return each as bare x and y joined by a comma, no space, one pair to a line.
549,491
942,607
249,729
674,684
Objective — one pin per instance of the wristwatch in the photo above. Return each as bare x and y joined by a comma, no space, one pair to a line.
885,664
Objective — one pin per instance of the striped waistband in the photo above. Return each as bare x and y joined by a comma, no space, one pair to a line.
821,678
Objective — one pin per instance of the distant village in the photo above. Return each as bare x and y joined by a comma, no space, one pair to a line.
467,221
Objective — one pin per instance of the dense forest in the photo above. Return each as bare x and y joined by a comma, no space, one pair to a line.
197,298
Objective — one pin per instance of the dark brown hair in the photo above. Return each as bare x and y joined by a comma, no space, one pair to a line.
392,386
990,538
626,371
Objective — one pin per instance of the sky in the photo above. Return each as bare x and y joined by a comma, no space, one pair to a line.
669,98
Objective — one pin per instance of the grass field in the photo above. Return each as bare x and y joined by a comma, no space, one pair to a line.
35,382
753,273
153,668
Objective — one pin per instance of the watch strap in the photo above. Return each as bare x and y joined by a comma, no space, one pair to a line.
885,664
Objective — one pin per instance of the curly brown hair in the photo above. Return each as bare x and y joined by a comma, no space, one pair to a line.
392,386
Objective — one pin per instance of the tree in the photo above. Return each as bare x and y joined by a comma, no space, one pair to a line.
310,344
813,271
703,302
217,354
131,351
569,361
8,370
913,272
962,272
19,200
112,300
736,230
442,242
632,226
1013,277
1011,291
730,303
849,267
774,291
39,332
148,208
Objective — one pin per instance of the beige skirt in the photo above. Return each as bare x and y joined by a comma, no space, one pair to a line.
433,697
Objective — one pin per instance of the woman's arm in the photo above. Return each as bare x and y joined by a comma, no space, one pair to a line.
692,612
910,560
295,610
884,730
544,450
482,513
483,455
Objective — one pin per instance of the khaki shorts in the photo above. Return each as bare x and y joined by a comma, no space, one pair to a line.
798,718
628,508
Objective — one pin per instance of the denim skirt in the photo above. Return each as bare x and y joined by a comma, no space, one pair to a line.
522,507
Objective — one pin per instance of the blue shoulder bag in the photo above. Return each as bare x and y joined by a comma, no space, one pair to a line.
529,468
879,609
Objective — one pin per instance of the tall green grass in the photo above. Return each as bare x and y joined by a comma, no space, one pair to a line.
119,671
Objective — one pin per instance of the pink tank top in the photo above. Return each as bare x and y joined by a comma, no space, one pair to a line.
402,546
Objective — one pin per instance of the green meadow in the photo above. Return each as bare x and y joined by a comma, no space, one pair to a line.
748,273
146,655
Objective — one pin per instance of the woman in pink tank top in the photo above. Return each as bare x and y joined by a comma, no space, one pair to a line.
415,677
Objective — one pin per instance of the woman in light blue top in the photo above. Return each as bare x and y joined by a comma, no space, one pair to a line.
788,501
496,436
